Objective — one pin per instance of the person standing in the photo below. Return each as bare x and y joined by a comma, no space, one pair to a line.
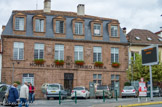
31,93
13,95
24,95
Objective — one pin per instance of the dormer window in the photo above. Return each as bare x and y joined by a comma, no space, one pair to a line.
160,39
137,38
149,39
39,25
19,23
97,29
114,31
78,28
59,26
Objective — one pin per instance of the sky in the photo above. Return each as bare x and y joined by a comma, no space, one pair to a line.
132,14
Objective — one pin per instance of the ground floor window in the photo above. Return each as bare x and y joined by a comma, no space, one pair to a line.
114,78
97,78
28,78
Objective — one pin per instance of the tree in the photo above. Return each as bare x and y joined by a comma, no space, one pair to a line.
143,71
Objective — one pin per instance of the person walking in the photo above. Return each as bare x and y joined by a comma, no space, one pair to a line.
31,93
13,95
24,95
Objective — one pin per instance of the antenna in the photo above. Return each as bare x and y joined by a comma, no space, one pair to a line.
36,4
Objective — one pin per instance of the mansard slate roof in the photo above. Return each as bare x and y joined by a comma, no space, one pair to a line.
69,18
140,36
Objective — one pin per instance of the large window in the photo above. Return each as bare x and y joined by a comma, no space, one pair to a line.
39,51
114,78
97,78
97,29
28,78
114,31
59,52
78,53
78,28
114,55
39,25
18,51
19,23
59,26
97,54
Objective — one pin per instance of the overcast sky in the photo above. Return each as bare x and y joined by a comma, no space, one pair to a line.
140,14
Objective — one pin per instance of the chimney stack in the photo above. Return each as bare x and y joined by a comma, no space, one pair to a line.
80,9
125,30
47,6
3,28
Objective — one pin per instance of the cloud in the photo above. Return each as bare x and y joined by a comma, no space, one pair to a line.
141,14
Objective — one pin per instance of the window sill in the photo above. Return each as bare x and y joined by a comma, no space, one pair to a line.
20,30
60,33
97,35
114,36
79,35
38,32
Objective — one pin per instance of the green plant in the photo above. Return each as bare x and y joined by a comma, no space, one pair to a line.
18,82
59,62
39,61
115,64
79,62
98,64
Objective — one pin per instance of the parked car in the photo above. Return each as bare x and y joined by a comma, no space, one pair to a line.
81,91
157,92
53,91
99,91
3,90
129,91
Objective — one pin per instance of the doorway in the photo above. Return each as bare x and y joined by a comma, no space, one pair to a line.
68,82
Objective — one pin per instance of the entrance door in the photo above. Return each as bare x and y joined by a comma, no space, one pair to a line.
68,82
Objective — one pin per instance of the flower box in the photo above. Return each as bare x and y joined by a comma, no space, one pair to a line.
59,62
81,63
98,64
115,64
39,61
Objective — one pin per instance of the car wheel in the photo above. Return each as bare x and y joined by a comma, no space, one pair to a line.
48,98
4,102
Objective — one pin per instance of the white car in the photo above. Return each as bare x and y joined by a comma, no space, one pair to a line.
81,92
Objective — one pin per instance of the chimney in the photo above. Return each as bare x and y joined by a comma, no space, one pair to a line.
125,30
80,9
47,6
3,28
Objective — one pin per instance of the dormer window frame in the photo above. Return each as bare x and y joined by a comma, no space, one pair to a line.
19,16
60,19
39,18
137,38
149,38
97,22
74,23
110,25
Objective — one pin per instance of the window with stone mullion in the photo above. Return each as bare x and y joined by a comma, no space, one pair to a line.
59,26
97,54
78,28
39,51
59,52
78,53
97,29
114,55
114,31
39,25
18,51
19,23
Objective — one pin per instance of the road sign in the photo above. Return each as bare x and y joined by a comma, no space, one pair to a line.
150,55
142,88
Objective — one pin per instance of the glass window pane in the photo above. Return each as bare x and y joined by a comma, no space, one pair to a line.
100,82
117,77
99,76
94,76
112,77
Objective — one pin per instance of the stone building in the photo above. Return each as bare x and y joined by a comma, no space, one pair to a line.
34,40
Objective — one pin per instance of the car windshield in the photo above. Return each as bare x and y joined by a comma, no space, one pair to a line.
78,88
128,88
101,87
53,87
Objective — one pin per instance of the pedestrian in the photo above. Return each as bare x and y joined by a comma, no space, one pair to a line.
24,95
13,95
31,93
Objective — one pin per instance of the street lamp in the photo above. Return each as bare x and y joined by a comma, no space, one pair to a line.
13,69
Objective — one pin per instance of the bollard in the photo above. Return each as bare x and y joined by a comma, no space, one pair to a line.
59,97
75,97
103,96
116,95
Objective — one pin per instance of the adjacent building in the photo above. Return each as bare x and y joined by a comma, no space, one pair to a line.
159,33
73,49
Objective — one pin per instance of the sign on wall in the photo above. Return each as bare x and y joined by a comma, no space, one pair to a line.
150,55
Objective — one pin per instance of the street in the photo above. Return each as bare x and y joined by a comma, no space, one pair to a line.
159,105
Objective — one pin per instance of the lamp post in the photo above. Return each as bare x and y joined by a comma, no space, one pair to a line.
13,72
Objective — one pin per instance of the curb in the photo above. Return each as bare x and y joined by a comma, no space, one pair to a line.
141,104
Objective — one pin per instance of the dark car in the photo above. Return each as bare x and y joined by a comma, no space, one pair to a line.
3,90
157,92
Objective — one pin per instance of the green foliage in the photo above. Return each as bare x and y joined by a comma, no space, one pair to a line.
143,71
18,82
127,84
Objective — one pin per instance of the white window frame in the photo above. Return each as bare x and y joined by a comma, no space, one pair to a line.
18,46
19,23
114,51
114,31
79,51
97,27
78,28
39,47
28,78
97,50
97,78
59,29
59,48
39,25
